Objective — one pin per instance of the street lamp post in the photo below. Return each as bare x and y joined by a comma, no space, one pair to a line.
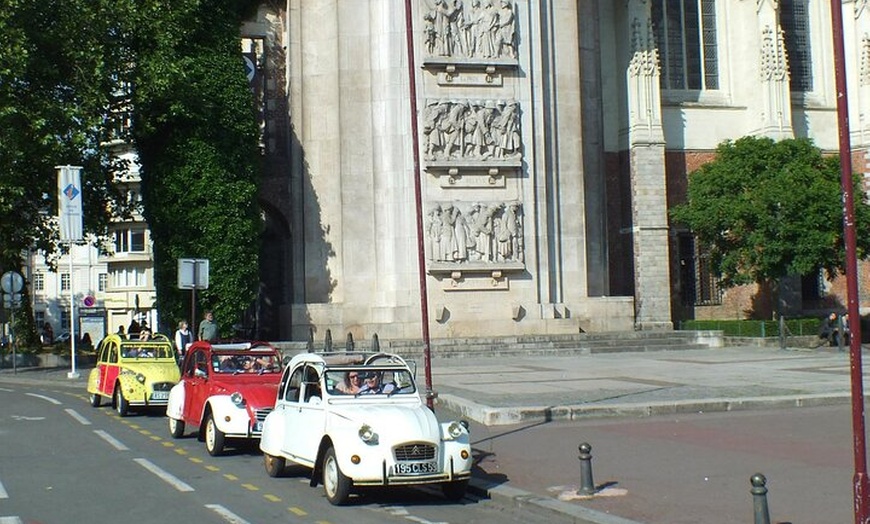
859,481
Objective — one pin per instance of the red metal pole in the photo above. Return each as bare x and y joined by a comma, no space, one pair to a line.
418,200
859,481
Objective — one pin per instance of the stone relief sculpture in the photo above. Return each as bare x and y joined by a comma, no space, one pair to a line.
470,29
456,130
489,233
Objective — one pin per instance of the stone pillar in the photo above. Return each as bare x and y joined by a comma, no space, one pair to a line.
776,109
861,35
648,186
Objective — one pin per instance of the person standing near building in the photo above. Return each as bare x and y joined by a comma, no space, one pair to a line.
208,329
183,338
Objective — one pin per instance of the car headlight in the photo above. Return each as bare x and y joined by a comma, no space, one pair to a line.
237,399
367,434
455,429
139,376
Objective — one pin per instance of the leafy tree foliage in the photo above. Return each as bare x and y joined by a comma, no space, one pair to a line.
55,87
66,65
196,135
768,209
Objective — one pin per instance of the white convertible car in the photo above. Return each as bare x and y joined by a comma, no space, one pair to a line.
358,420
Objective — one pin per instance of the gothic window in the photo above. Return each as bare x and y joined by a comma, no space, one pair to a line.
795,20
686,36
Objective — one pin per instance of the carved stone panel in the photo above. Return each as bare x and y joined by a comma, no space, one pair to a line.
471,29
461,130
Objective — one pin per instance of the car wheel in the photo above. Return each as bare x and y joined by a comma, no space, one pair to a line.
214,438
121,404
95,400
176,427
274,465
335,483
454,490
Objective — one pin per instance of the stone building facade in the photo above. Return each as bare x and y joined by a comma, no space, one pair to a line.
552,138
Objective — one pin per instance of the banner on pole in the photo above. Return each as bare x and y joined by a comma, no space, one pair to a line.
69,196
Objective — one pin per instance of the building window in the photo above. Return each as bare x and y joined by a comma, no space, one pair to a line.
64,281
686,36
39,318
130,241
102,281
699,286
795,21
128,277
64,319
39,282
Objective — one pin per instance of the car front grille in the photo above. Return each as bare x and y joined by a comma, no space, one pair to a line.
162,386
261,414
414,452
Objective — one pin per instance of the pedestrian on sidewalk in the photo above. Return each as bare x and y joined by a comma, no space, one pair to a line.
208,329
829,329
183,338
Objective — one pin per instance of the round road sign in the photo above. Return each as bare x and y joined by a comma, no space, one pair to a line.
11,282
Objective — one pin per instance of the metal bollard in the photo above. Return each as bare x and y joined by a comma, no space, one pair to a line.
348,345
759,498
310,345
587,486
327,344
376,344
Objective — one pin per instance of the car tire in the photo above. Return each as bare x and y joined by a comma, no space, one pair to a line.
176,427
120,403
95,400
274,465
214,437
455,490
335,484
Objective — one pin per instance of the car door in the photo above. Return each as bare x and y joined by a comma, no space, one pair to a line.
111,369
289,407
309,414
196,385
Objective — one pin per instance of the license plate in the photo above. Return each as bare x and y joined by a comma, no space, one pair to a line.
417,468
160,395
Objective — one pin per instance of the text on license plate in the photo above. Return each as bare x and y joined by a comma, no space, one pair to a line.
160,395
416,468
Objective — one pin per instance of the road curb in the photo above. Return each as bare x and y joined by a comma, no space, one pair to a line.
500,416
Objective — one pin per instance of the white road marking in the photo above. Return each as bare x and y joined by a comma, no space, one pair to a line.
74,414
226,514
3,494
6,390
111,440
24,417
43,397
11,520
170,479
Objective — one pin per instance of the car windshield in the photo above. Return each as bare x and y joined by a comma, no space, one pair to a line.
143,350
358,381
237,363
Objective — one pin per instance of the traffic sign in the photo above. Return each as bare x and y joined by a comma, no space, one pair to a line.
89,301
192,273
11,282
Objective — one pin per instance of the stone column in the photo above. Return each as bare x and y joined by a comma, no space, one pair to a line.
648,187
776,109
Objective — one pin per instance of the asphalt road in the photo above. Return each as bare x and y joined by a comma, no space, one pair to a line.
687,469
63,462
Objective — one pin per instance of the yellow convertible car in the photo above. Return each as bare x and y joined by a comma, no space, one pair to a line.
133,373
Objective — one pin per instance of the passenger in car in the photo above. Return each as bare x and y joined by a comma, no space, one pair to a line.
373,385
351,384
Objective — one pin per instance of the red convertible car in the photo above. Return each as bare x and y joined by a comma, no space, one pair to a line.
226,390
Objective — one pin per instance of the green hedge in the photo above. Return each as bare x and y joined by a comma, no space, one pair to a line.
754,328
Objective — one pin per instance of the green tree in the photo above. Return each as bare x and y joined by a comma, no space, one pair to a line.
767,209
55,89
196,135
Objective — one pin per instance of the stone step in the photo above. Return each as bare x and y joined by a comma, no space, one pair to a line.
583,343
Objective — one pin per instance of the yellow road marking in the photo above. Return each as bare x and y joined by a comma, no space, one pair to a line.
194,459
181,451
168,444
156,438
230,477
272,498
212,468
250,487
297,511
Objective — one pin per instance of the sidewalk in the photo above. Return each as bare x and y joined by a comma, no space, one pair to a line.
498,395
